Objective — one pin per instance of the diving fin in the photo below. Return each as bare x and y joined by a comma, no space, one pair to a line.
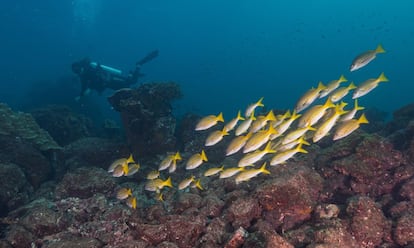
150,56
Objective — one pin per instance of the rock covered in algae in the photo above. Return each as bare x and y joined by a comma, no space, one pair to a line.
23,125
147,116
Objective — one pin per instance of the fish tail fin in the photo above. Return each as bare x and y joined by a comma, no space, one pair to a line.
356,106
177,156
168,182
125,169
271,116
130,159
259,103
268,148
239,116
351,86
321,86
263,169
220,117
300,149
379,49
383,78
198,184
342,78
203,156
363,119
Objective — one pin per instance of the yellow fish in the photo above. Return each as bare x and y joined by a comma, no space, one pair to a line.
167,162
282,157
309,97
352,113
132,202
132,169
366,57
347,127
118,171
314,114
339,93
248,174
153,175
226,173
261,121
280,119
332,85
366,87
324,129
244,125
253,157
232,124
197,184
123,193
296,134
237,143
292,144
185,183
209,121
215,137
158,184
213,171
258,139
250,109
196,160
122,161
284,126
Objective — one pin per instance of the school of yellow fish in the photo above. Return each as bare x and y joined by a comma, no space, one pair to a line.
266,139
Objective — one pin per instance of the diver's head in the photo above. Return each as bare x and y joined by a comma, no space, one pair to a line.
79,66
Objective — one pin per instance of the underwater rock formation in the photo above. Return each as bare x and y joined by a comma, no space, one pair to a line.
147,117
62,123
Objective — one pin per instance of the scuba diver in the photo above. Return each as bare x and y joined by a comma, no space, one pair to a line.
94,76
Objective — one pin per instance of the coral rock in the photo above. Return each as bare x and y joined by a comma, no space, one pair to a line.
18,236
404,230
243,211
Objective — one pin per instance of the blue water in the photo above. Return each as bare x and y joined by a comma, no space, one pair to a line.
224,54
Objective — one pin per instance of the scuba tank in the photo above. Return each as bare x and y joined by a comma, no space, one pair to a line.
108,69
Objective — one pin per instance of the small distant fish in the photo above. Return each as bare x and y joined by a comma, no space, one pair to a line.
226,173
237,144
309,97
169,160
131,202
215,137
213,171
196,160
123,193
185,183
282,127
341,92
314,114
132,169
296,134
250,109
261,121
324,129
245,125
246,175
332,85
259,139
366,87
158,184
253,157
366,57
209,121
351,114
153,175
347,127
232,124
282,157
123,162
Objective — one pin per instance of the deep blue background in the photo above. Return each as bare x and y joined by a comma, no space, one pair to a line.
224,54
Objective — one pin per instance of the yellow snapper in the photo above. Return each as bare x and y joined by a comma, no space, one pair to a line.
120,170
131,202
215,137
347,127
197,184
296,134
309,97
250,109
339,93
314,114
229,172
253,157
196,160
158,184
172,167
122,162
153,175
244,125
169,160
332,85
281,129
213,171
261,121
258,139
352,113
237,143
282,157
185,183
246,175
232,124
366,57
132,169
123,193
292,144
280,119
209,121
365,87
324,129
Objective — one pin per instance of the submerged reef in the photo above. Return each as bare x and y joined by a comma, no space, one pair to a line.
355,192
147,116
